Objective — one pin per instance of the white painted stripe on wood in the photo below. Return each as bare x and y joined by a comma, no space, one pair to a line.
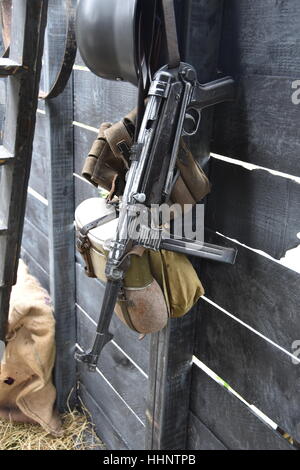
291,260
262,416
246,325
81,178
37,196
33,260
114,343
252,166
114,390
85,126
86,314
81,67
119,396
131,360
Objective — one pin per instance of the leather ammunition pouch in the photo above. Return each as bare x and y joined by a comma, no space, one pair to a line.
159,284
109,160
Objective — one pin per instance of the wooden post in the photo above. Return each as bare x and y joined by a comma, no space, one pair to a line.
171,353
61,240
59,142
172,349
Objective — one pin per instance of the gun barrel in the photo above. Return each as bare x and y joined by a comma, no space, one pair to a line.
103,336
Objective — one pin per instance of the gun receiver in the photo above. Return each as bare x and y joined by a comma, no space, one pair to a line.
175,102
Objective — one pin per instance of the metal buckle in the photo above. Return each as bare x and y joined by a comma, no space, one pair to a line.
83,246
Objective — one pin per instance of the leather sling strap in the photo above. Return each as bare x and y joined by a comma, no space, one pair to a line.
84,245
70,49
173,56
68,59
145,38
96,223
171,33
117,135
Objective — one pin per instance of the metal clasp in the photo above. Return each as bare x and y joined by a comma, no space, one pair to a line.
83,245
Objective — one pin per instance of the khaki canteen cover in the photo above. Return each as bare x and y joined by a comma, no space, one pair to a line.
141,305
157,284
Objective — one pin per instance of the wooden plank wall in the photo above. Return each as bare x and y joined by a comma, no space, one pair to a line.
124,364
250,317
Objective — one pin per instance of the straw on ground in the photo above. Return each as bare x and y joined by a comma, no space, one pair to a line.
78,435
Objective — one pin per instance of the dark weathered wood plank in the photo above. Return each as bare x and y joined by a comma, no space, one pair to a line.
261,38
257,290
116,367
103,427
202,50
94,101
40,162
36,244
119,414
169,382
61,240
260,47
260,126
89,297
59,140
83,139
229,419
37,213
83,190
35,269
200,437
255,207
2,107
264,375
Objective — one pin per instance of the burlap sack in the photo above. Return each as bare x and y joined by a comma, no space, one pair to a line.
27,393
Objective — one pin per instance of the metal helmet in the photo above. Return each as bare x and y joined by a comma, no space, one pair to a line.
106,36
